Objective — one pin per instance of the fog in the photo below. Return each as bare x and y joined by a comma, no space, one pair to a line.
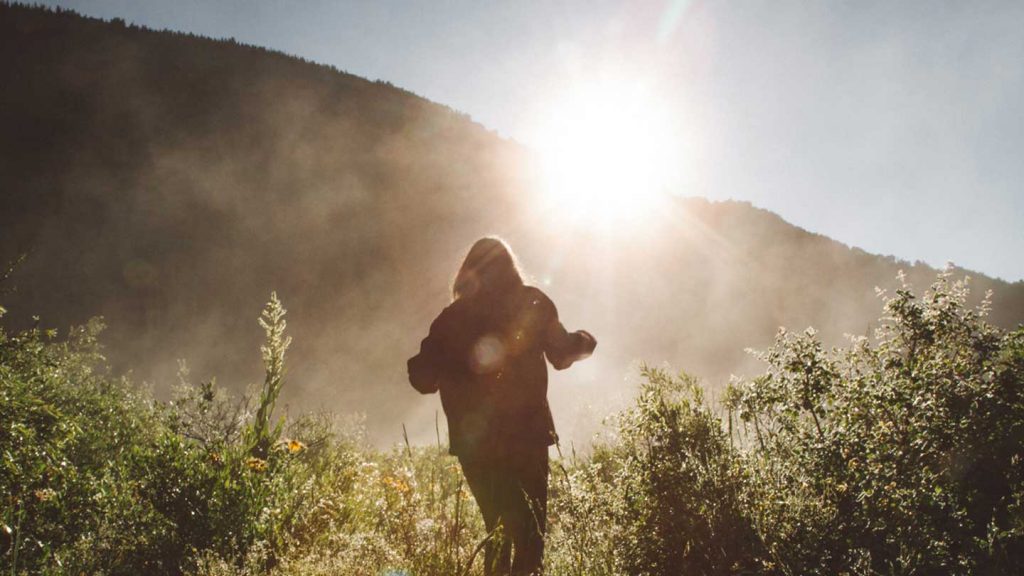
170,183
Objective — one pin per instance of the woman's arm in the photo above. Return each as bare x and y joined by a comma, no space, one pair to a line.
561,346
425,368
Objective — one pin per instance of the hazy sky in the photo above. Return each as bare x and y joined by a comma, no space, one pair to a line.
896,127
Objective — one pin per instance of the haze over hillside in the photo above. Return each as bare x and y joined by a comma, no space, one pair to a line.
169,183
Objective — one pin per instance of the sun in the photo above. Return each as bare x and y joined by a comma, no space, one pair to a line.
608,154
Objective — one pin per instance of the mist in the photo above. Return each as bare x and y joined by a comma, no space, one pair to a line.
169,183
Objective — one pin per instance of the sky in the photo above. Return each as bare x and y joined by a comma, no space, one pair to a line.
895,127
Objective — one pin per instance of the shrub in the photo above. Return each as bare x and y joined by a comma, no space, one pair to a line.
682,485
900,454
665,498
99,479
68,433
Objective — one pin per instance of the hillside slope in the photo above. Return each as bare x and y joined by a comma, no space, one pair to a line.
170,182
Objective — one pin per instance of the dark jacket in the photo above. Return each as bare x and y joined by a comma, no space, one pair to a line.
486,356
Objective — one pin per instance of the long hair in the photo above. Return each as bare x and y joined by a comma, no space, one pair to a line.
489,268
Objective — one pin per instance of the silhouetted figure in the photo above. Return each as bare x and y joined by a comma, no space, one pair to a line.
485,353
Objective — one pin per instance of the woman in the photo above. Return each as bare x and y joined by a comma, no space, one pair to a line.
485,353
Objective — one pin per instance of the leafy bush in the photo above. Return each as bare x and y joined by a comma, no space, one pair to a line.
900,454
668,492
68,434
99,479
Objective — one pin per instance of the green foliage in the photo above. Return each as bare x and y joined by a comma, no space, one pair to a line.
901,453
70,435
665,498
100,480
681,485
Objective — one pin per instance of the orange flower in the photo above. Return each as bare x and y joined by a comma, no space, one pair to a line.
397,484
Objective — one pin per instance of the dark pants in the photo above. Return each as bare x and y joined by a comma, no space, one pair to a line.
512,492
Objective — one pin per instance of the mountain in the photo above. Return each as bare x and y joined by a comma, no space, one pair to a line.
170,182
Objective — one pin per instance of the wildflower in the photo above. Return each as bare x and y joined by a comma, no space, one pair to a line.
45,495
396,484
294,446
257,464
216,458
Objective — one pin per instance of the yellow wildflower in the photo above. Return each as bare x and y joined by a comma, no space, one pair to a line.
397,484
257,464
294,446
